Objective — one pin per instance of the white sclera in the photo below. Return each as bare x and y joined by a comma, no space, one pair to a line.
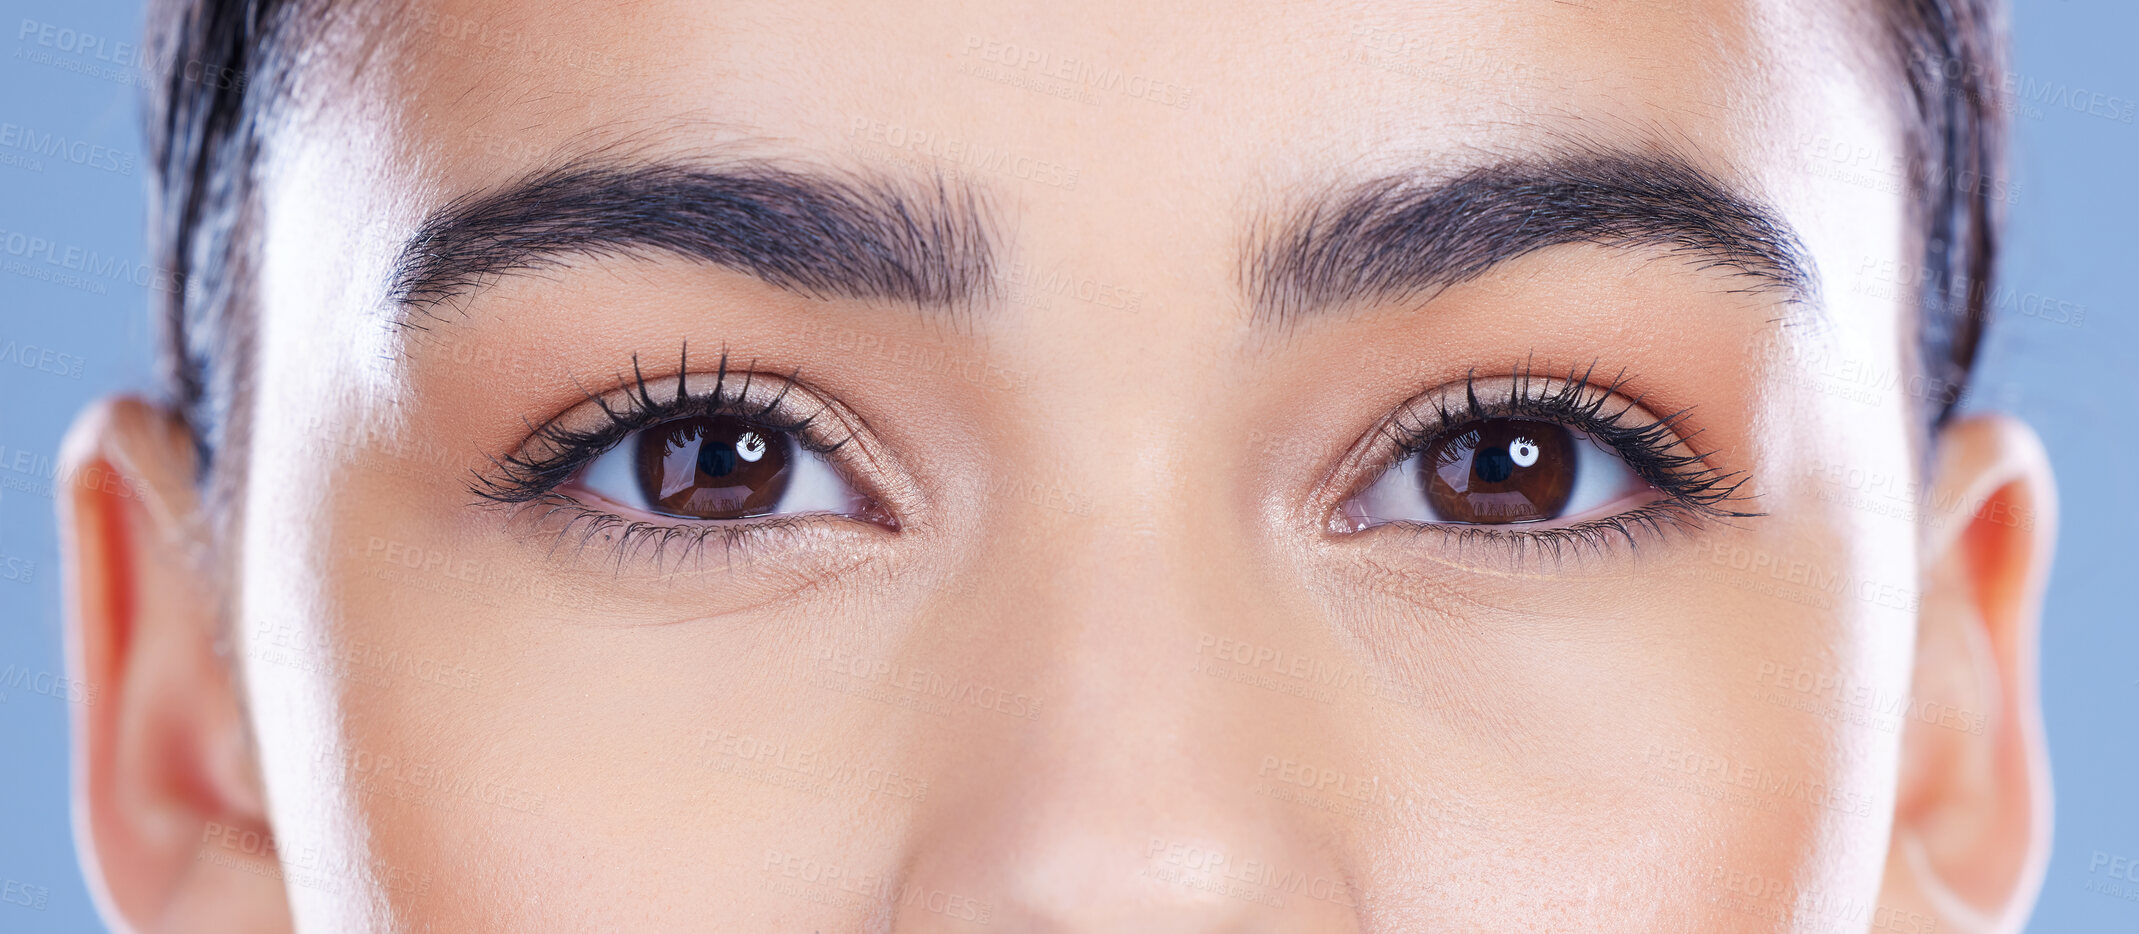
1602,478
812,484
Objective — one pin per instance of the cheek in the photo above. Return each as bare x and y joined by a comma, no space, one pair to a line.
1798,724
291,611
439,717
1739,698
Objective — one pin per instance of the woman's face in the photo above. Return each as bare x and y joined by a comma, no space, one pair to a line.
1240,469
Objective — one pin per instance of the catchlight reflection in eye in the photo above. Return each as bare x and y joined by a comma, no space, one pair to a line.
718,467
1498,471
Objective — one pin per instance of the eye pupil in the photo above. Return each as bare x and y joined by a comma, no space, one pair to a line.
1492,465
1498,471
715,461
713,468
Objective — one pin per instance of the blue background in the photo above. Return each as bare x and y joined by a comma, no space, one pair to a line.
2071,241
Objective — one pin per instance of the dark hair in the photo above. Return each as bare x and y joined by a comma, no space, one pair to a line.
228,63
1952,52
216,67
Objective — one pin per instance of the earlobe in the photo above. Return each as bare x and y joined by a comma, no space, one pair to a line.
1971,830
161,757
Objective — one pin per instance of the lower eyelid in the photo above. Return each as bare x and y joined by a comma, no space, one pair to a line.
546,487
733,557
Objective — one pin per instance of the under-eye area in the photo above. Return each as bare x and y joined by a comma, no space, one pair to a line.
1537,465
767,494
665,465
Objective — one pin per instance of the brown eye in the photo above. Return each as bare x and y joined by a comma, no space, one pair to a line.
1498,471
713,468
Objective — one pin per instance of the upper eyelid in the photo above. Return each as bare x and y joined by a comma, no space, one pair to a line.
777,413
558,448
1576,401
1652,445
563,446
1559,396
1428,420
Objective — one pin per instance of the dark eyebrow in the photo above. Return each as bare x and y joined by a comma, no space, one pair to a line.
1405,235
923,244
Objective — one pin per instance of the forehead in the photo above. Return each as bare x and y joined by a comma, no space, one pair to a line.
1076,117
1114,86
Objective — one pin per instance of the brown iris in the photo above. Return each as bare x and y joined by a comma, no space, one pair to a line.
713,468
1499,470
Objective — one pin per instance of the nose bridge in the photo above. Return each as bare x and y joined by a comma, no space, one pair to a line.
1134,799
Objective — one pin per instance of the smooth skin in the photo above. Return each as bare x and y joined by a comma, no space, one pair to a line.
1081,686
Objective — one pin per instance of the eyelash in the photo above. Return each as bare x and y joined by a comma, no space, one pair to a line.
1694,490
555,454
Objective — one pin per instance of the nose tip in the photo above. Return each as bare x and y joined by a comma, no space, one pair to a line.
1090,820
1063,875
1131,800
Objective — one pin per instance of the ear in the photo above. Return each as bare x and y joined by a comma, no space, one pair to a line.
168,810
1972,811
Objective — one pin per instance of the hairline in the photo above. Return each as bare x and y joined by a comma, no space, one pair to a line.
206,357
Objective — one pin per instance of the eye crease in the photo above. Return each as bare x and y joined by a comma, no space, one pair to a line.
660,463
1554,461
